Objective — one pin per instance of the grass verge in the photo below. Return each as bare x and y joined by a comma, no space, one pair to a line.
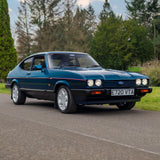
3,89
150,101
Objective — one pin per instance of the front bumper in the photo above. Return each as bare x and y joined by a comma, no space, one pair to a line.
143,90
85,96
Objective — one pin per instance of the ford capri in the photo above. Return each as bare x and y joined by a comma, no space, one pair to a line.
73,79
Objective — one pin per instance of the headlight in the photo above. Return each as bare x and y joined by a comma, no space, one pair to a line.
144,82
138,82
98,82
90,83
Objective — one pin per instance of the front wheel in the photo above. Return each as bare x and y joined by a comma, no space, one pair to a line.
126,106
65,101
18,96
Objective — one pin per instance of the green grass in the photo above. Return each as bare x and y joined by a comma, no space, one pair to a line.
3,89
135,69
150,101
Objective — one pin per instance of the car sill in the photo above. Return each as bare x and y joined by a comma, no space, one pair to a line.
35,90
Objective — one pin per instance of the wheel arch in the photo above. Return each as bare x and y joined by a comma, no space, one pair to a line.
60,83
15,81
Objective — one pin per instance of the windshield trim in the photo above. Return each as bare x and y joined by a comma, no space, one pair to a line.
92,60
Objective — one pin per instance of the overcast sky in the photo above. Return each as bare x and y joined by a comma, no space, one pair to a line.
117,5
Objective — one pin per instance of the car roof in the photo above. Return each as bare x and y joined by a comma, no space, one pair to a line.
51,52
59,52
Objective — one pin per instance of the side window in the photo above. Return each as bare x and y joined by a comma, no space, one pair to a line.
38,60
26,65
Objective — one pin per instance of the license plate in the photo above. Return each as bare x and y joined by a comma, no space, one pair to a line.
122,92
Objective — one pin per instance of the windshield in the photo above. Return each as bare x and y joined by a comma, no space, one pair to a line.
71,60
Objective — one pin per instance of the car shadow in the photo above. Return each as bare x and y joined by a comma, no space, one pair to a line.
86,110
105,110
40,104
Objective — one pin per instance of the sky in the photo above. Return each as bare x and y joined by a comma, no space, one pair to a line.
118,7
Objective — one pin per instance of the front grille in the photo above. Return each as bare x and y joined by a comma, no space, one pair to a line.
115,84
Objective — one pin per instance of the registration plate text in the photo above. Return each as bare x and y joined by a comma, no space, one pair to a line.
122,92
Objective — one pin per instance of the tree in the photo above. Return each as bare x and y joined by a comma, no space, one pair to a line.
103,42
139,44
43,14
55,25
142,10
119,44
91,24
84,26
146,13
156,39
106,12
76,27
23,30
8,56
69,7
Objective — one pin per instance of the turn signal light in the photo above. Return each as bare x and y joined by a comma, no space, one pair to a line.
96,92
144,90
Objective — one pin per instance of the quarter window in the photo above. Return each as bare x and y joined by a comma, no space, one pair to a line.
26,65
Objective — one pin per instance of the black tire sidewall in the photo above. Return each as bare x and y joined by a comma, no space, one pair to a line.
127,106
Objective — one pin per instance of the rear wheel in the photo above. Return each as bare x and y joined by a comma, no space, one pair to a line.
18,96
65,101
126,106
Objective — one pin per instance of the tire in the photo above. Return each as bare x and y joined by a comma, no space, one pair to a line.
126,106
65,101
17,95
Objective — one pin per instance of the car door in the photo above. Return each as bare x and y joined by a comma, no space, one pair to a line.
40,83
38,76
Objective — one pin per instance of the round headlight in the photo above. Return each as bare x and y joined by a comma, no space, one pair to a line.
138,82
144,82
90,83
98,82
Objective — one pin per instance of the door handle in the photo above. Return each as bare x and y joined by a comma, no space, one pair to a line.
28,73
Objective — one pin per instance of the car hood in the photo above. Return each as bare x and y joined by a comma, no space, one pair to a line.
107,74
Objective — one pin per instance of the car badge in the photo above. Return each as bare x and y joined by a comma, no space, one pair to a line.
120,83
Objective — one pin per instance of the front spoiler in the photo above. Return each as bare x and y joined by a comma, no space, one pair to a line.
84,96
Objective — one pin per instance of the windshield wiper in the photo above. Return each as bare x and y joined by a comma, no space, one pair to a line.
62,66
93,66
